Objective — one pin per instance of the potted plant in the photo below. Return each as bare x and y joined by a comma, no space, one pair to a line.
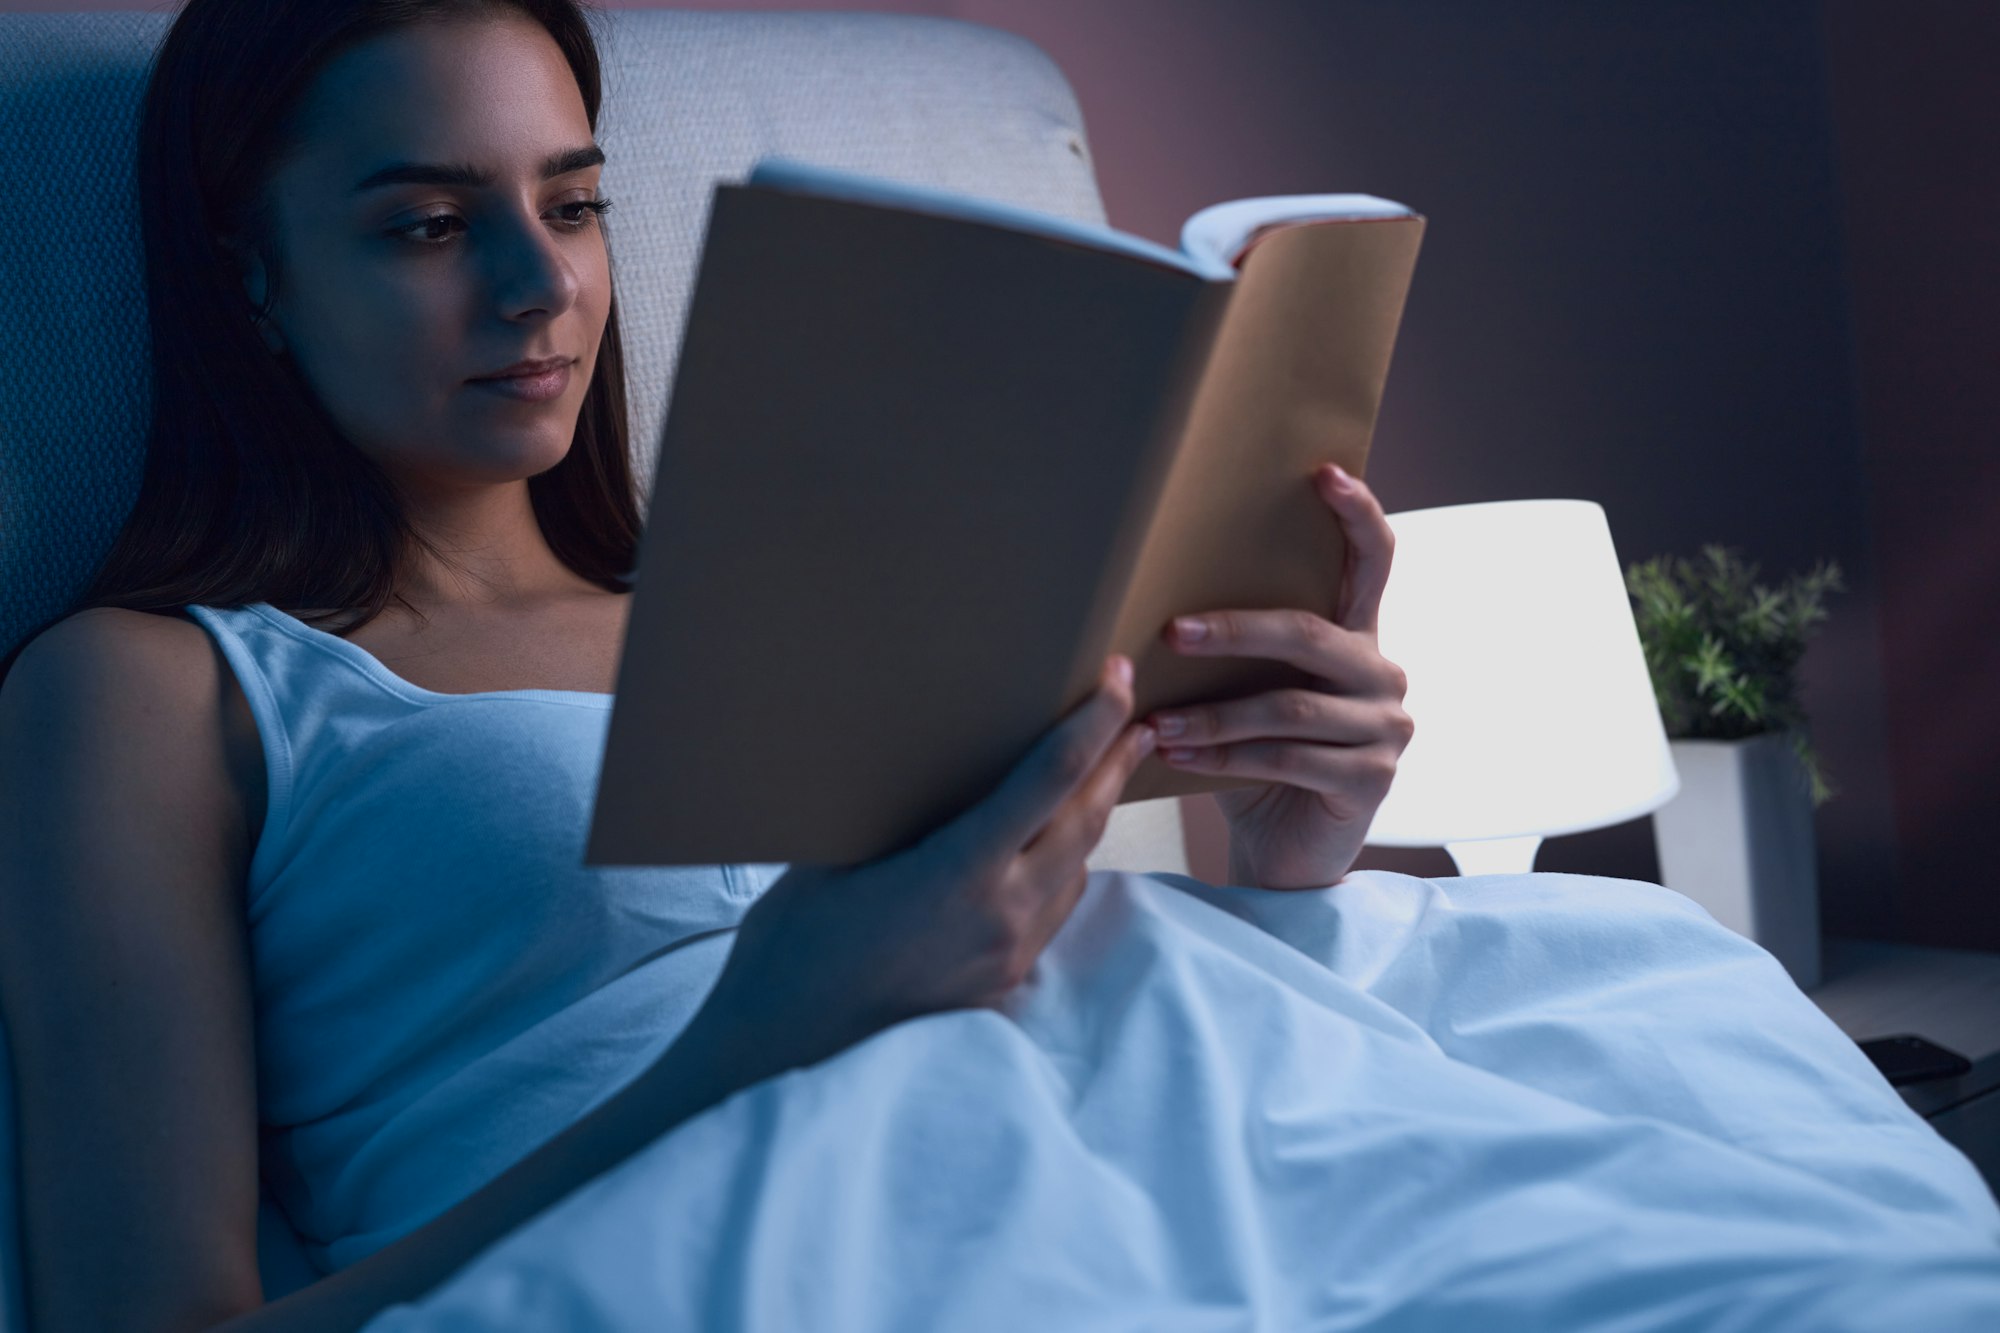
1723,653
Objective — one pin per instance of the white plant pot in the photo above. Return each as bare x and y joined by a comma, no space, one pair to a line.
1738,839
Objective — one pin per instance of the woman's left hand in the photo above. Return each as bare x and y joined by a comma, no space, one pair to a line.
1328,753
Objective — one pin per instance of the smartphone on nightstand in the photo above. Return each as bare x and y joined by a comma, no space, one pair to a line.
1908,1058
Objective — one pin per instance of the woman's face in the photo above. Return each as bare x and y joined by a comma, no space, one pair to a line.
424,243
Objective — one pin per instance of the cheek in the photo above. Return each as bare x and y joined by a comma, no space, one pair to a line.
594,300
379,352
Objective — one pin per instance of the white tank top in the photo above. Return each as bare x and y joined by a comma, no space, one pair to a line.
441,985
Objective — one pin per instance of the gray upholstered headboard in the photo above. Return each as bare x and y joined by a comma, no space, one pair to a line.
691,98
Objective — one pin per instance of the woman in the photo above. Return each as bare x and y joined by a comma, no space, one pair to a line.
316,896
345,263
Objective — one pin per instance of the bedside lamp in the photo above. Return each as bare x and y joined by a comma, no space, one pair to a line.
1534,709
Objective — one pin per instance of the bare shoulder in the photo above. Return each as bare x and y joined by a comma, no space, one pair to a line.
114,639
110,658
143,693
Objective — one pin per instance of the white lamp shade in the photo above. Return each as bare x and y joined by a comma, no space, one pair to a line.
1534,711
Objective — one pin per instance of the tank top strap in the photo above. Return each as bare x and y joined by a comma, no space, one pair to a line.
298,688
260,667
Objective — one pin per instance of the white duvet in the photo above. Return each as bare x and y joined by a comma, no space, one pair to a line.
1503,1102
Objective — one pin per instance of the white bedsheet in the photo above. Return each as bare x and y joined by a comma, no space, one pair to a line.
1502,1102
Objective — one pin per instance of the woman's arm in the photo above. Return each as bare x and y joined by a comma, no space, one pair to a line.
126,986
124,979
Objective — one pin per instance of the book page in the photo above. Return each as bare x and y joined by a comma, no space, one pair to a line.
1222,234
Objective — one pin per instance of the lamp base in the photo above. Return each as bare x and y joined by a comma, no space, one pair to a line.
1495,856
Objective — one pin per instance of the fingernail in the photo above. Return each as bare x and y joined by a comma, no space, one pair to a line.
1148,738
1121,667
1190,630
1341,480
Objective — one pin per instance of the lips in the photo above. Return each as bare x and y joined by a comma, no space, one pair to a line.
547,387
528,368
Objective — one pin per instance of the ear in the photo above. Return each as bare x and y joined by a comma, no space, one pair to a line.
256,286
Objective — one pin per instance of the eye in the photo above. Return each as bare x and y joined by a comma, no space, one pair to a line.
596,209
424,225
573,220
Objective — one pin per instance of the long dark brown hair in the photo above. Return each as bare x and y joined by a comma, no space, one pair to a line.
250,491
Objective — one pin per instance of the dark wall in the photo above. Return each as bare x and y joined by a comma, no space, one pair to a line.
1917,120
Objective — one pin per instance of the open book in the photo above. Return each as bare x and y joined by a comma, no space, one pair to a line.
929,459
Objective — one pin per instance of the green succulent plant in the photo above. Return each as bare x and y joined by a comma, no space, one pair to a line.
1723,652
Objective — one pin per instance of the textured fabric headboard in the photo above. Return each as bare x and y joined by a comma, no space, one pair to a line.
691,98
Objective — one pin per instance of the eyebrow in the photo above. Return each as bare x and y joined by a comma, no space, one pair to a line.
462,174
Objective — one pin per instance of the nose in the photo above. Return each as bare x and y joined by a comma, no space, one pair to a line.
531,273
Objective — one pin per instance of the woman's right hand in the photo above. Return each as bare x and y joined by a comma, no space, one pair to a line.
829,955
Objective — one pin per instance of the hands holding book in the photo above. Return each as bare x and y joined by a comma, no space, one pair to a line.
1330,752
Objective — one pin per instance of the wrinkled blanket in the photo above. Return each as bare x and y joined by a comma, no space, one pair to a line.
1502,1102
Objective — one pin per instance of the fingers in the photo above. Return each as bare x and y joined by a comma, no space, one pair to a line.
1062,762
1371,547
1079,826
1057,859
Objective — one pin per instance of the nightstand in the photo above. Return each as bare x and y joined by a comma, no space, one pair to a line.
1950,996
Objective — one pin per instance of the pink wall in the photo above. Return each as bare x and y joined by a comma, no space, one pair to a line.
1918,124
1723,269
